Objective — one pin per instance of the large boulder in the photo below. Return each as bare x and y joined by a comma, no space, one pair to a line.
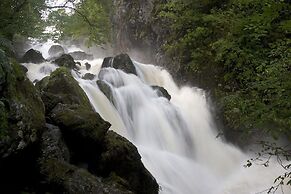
83,130
122,62
56,51
32,56
162,92
68,107
121,158
22,111
65,60
80,55
22,121
62,177
61,87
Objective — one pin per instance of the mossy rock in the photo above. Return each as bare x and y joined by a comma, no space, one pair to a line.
32,56
63,177
22,111
65,60
61,87
59,176
122,158
83,129
122,62
5,70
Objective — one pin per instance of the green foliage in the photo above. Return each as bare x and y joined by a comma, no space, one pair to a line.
243,46
90,20
21,17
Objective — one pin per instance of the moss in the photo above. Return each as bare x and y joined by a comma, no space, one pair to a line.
3,120
62,84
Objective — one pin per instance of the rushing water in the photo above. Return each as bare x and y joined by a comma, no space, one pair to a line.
176,138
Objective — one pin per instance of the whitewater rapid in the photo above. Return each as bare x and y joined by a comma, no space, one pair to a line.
177,138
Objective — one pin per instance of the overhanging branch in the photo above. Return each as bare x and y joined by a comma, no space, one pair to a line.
72,8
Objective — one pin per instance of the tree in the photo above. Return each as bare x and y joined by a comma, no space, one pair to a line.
88,19
21,17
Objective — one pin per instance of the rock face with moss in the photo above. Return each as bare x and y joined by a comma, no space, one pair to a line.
22,111
22,121
62,177
120,158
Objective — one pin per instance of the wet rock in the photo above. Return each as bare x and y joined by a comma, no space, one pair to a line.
32,56
65,61
56,51
80,55
162,92
106,90
122,62
89,76
88,66
122,158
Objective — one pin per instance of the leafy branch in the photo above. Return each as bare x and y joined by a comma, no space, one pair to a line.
282,154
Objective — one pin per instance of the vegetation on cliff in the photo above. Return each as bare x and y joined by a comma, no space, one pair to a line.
241,50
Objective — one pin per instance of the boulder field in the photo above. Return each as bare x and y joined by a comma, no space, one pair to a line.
52,140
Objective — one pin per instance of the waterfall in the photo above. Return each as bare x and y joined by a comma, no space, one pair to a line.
176,138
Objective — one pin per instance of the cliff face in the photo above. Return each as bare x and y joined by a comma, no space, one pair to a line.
136,30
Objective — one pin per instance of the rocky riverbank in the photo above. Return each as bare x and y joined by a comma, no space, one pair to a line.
52,141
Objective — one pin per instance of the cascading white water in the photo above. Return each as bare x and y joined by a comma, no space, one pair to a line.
176,138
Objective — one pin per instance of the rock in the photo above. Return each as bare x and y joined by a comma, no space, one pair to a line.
65,61
122,62
106,90
66,178
68,107
83,131
22,121
89,76
88,66
62,177
61,87
122,158
21,110
53,145
24,69
56,51
162,92
80,55
32,56
5,70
